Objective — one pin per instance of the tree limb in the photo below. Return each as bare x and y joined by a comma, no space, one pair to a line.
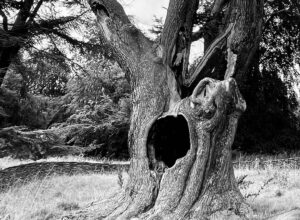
64,36
217,6
7,40
5,24
52,23
35,11
176,41
179,19
218,42
122,40
22,16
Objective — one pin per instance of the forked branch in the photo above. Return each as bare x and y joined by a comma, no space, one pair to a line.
35,11
218,43
176,36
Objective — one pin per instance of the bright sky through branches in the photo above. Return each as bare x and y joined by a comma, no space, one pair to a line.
143,12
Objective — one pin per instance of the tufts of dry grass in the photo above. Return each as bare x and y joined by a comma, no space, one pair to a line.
270,190
51,197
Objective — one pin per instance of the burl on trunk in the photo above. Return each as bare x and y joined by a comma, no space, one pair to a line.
183,123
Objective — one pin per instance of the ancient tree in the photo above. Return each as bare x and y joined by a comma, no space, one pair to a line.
183,121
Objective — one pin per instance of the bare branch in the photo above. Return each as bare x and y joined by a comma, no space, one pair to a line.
35,11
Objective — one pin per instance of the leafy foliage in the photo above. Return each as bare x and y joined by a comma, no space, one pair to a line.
100,97
43,32
281,37
44,72
270,123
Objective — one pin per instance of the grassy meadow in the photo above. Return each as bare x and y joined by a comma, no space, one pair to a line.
269,190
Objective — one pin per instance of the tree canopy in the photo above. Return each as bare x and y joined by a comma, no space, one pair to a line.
39,28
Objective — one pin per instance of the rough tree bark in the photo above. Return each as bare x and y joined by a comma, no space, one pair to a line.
180,142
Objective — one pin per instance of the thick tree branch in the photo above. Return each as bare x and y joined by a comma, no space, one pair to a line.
122,39
217,44
7,40
237,43
176,42
218,6
22,16
179,21
35,11
53,23
4,17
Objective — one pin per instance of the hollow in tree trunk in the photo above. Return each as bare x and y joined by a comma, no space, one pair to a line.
183,123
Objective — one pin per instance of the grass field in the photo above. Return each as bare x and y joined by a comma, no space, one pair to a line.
269,191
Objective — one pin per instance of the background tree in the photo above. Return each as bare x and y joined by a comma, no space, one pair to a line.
32,24
182,124
270,125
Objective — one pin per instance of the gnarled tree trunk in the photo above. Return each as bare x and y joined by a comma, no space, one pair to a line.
182,124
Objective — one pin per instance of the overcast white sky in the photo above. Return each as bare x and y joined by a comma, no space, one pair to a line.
144,12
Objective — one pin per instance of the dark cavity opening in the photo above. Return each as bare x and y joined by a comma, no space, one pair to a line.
168,140
100,8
